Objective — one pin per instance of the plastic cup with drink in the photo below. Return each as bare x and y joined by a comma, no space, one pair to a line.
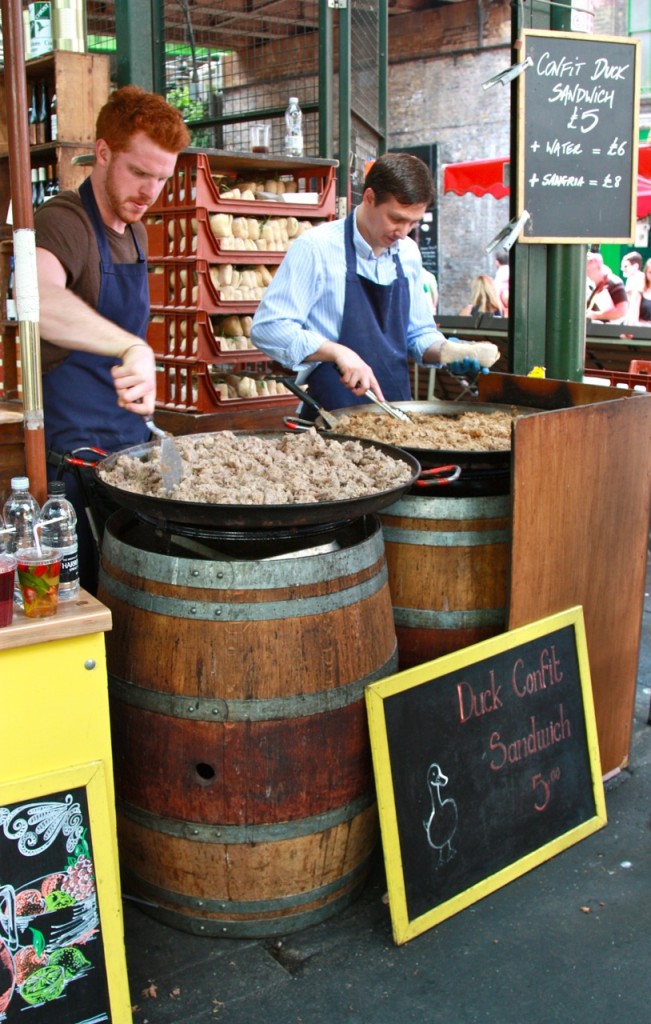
259,135
38,570
7,575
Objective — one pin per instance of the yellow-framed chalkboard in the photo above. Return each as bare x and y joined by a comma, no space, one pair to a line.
61,944
578,100
486,764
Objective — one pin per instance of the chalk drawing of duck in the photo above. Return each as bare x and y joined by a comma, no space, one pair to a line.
442,822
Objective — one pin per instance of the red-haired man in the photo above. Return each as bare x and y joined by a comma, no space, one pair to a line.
91,253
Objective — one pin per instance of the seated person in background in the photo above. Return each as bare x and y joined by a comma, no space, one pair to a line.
484,298
501,278
634,283
644,316
431,289
607,301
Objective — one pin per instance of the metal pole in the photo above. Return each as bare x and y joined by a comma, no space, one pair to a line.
566,322
27,305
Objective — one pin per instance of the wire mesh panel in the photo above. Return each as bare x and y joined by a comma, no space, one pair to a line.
365,127
231,64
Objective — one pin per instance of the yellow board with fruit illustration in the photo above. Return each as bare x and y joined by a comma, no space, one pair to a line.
61,936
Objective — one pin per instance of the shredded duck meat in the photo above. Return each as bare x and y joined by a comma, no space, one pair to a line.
228,469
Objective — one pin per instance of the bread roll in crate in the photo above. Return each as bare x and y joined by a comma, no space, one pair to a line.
215,288
203,387
235,182
182,234
195,334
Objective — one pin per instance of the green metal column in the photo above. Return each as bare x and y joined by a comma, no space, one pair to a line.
326,76
139,35
565,342
343,171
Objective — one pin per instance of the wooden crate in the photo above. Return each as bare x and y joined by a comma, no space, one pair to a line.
82,83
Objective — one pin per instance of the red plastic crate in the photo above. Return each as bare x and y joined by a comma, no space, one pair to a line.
189,387
622,379
193,335
198,176
640,366
187,284
186,234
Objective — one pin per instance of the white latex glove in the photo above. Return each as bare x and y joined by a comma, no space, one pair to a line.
484,353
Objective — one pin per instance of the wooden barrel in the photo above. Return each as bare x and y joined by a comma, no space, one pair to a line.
448,563
246,803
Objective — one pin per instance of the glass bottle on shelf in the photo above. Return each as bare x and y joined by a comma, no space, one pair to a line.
34,187
51,183
54,127
42,115
40,191
32,115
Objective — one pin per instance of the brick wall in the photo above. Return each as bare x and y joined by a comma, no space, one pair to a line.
440,99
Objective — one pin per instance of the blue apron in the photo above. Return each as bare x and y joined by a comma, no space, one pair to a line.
374,324
79,396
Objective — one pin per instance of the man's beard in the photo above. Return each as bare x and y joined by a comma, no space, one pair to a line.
118,204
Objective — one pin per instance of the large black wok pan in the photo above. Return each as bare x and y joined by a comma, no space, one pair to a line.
169,512
482,472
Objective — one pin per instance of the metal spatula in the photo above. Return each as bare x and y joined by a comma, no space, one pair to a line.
171,463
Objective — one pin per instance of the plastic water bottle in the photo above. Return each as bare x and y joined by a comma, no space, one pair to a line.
62,535
293,128
21,511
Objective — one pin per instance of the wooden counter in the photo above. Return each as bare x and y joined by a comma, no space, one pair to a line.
78,617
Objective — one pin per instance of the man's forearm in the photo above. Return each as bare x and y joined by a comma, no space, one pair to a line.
67,321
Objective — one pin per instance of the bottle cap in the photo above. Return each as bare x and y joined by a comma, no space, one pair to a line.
20,483
293,99
55,488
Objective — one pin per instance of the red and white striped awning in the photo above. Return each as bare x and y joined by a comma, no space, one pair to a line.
491,178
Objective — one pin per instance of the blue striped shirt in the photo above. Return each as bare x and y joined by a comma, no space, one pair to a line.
304,304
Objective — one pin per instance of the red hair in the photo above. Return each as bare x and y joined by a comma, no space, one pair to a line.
130,110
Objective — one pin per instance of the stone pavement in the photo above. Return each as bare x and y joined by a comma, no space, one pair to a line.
569,942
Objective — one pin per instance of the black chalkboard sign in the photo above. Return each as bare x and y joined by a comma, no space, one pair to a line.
486,764
577,137
52,954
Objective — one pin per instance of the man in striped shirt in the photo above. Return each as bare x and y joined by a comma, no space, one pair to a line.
347,308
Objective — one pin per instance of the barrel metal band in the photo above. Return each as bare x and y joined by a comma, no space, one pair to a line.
196,608
447,539
219,709
419,618
216,906
271,832
259,574
489,506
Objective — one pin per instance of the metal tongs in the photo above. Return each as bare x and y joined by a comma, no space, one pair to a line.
397,414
